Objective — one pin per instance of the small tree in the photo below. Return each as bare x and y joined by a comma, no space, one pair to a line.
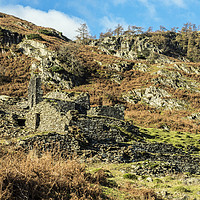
162,28
150,29
131,30
83,33
118,30
174,29
109,33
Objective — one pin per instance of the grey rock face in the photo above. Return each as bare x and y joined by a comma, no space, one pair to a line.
8,38
133,47
187,69
175,80
155,97
194,116
49,66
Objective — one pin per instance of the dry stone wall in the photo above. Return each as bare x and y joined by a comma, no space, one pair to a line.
109,111
101,129
82,100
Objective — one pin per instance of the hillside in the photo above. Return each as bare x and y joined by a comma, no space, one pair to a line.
149,83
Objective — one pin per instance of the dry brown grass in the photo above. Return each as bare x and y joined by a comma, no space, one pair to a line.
47,177
139,194
14,74
146,116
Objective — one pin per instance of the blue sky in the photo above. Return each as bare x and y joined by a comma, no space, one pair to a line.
67,15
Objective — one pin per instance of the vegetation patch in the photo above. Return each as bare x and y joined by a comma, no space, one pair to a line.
31,177
180,189
130,176
15,74
46,32
57,69
33,36
176,138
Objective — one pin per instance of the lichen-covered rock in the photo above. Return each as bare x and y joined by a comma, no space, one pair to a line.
155,97
175,80
35,49
120,67
187,68
194,116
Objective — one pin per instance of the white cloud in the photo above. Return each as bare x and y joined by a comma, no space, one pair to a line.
149,6
54,19
117,2
179,3
111,22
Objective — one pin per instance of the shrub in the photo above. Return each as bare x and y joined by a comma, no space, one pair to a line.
56,69
34,36
72,62
130,176
46,32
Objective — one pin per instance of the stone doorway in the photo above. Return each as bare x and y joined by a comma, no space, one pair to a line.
37,122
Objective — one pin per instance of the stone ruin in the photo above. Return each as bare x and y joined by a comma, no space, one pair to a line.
34,91
61,111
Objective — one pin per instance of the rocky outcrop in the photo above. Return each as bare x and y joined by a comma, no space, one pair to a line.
155,97
36,49
120,67
8,38
189,69
142,46
176,80
49,67
194,116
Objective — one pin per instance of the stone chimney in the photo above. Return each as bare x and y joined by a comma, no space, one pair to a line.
34,90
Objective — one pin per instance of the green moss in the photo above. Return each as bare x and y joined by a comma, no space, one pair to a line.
177,139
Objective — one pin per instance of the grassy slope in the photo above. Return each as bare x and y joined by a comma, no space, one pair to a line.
175,186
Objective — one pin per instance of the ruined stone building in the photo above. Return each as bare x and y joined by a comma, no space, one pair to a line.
57,111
